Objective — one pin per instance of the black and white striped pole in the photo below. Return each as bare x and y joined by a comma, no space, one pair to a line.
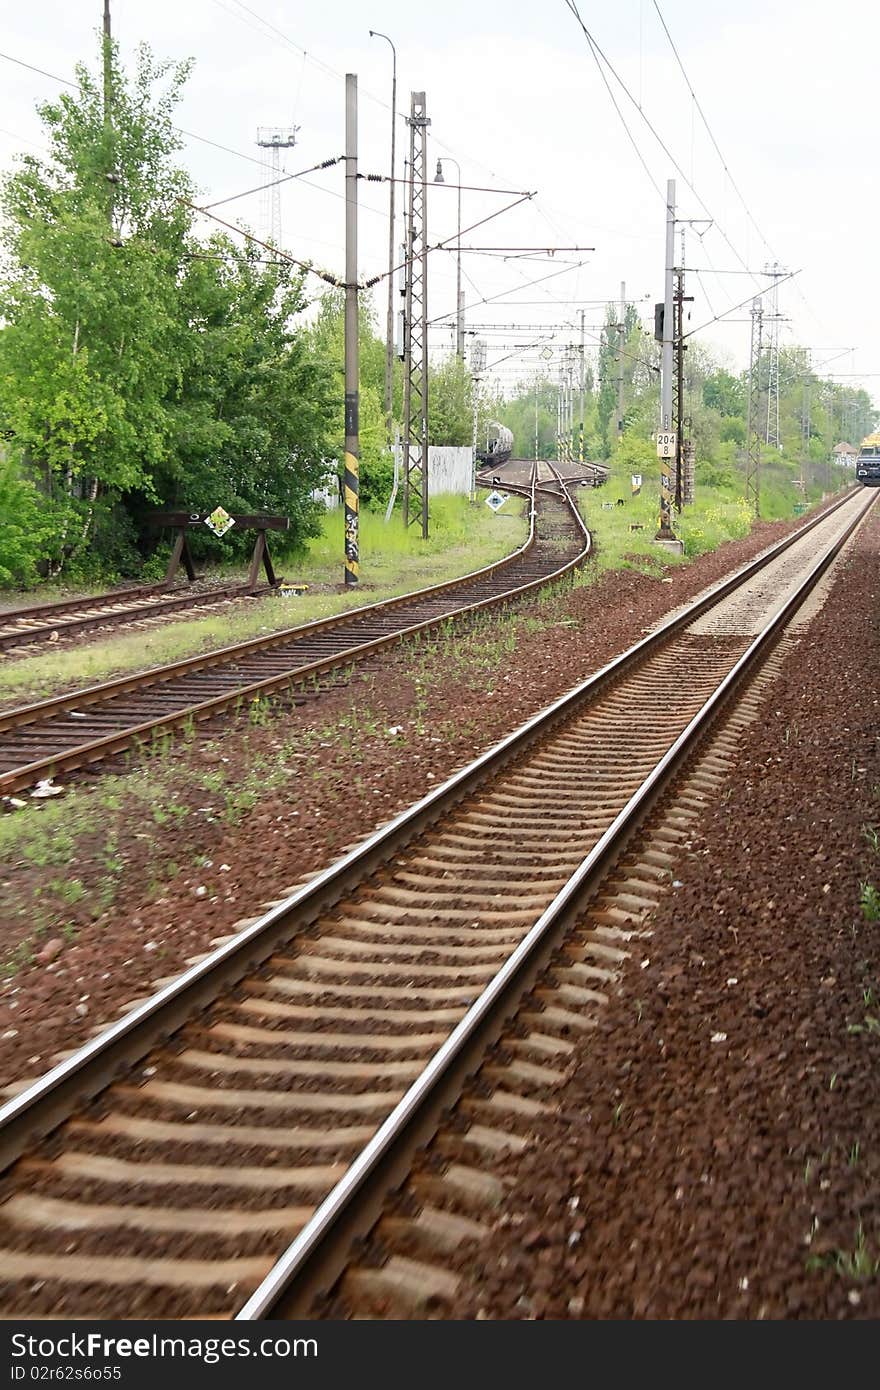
352,443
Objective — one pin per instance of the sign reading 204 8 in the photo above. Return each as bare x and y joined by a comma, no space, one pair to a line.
665,444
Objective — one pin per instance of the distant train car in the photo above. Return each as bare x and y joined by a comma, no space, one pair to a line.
868,461
499,444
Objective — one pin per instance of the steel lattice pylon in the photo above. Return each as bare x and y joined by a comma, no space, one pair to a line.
274,139
772,434
754,433
415,388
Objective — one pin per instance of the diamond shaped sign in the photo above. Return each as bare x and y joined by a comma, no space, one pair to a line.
495,500
219,521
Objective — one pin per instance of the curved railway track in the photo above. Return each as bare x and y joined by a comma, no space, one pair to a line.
85,726
277,1091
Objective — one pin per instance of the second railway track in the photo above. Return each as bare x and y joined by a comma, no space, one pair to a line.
276,1090
71,618
86,726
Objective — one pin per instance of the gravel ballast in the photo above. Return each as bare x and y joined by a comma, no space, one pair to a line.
715,1149
181,882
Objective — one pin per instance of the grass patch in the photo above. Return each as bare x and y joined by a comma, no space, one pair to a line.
393,561
858,1263
718,514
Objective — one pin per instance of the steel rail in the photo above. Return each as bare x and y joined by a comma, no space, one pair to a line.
314,1259
27,714
70,605
97,749
49,1100
88,621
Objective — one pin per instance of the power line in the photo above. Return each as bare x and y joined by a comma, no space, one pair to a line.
598,53
780,281
702,114
595,51
267,246
285,178
203,139
190,135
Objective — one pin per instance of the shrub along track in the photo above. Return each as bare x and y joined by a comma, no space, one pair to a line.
291,1047
84,727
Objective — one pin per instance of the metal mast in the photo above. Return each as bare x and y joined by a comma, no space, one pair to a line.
772,435
667,463
478,367
389,331
806,433
621,338
274,139
683,487
581,386
351,489
754,433
415,402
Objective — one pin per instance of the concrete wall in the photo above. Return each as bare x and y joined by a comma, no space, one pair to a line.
449,469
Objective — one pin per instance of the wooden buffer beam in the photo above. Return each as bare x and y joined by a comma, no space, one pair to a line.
258,521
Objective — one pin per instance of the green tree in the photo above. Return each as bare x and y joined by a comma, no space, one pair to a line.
89,294
451,403
251,417
327,342
139,365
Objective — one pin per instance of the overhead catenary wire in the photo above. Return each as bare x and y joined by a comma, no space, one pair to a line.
306,266
599,54
725,166
190,135
273,183
749,297
709,131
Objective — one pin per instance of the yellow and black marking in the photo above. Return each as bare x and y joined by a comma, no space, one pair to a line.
351,487
351,518
665,499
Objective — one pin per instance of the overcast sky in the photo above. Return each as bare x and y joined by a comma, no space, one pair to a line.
789,90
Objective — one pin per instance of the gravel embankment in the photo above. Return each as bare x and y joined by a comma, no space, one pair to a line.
716,1152
169,902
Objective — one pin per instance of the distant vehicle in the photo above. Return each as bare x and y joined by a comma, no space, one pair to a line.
868,461
499,444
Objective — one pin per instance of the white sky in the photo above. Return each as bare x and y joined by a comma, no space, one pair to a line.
789,89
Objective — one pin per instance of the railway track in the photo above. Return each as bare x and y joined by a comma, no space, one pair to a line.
86,726
68,618
274,1094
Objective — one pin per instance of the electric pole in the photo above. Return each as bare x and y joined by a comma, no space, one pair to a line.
621,337
389,330
478,366
570,437
582,383
108,67
665,443
352,442
805,433
415,405
753,411
536,417
772,434
680,349
112,172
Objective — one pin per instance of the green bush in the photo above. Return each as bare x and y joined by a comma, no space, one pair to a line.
26,527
